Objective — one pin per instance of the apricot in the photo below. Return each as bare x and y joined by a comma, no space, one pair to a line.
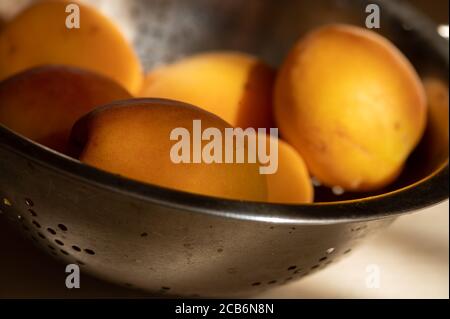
39,36
235,86
43,103
132,139
291,184
436,137
352,105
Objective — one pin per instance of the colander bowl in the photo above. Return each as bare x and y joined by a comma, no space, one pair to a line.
168,242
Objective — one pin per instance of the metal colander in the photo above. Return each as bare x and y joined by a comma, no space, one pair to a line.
169,242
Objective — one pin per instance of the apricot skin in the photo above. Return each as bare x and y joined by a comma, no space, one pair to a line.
43,103
39,36
436,138
236,87
352,105
131,138
291,184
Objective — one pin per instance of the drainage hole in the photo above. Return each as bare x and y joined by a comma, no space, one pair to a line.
59,242
89,251
29,202
292,267
76,248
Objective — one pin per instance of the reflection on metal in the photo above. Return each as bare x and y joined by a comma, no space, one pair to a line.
443,31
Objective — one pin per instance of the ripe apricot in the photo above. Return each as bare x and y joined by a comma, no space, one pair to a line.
436,139
132,138
291,183
352,105
235,86
43,103
39,35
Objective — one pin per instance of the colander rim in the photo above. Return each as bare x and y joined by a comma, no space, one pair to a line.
425,192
